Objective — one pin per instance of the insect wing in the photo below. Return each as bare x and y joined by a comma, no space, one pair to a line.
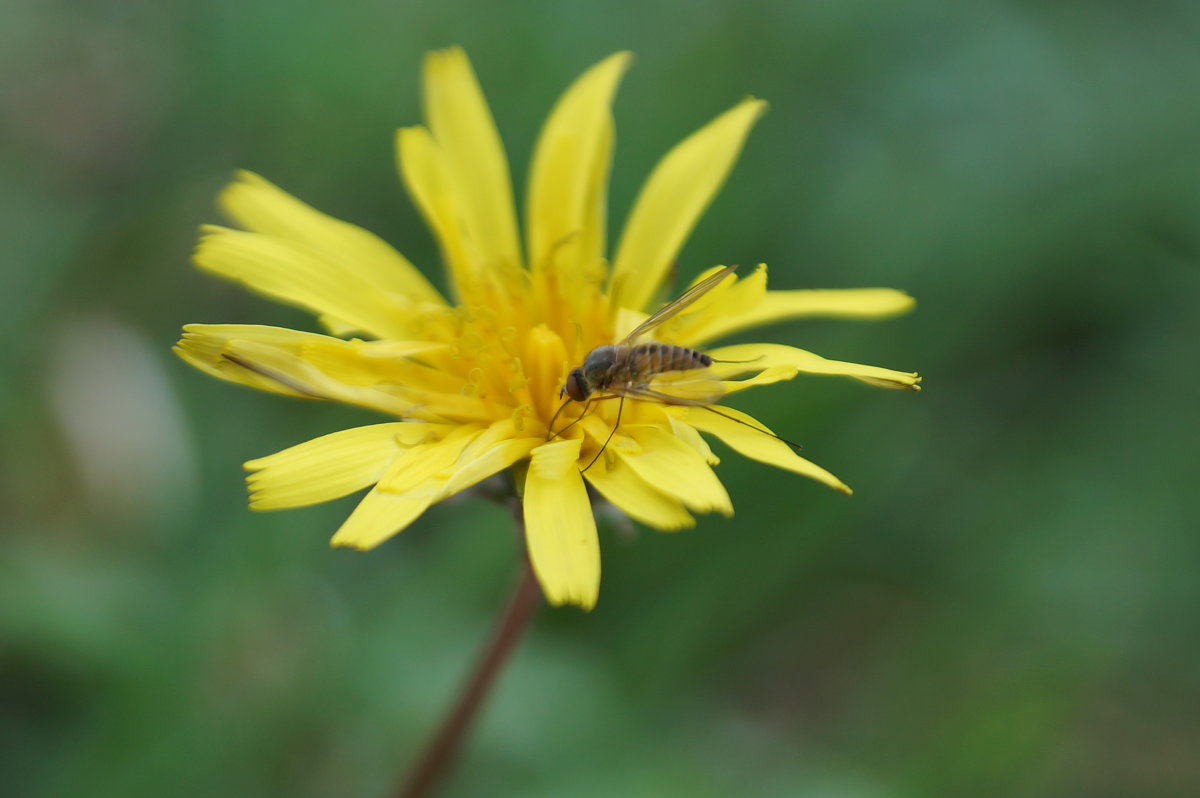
691,388
672,309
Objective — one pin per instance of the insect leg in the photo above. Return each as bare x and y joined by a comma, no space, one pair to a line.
586,410
554,418
617,423
794,445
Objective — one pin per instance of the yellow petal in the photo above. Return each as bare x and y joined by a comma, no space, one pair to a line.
204,346
424,172
770,376
411,484
373,374
732,298
262,207
755,444
752,357
860,303
490,461
298,275
638,499
496,448
546,368
431,461
670,203
695,303
688,434
674,468
331,466
273,359
568,177
380,515
560,529
476,166
358,362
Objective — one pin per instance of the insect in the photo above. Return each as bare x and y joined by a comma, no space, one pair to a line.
626,370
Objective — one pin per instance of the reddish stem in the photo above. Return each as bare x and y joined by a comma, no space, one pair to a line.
441,749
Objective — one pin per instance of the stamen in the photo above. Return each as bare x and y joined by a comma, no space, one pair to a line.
519,380
474,378
519,415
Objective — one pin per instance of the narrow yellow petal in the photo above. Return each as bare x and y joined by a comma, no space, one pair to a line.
859,303
490,461
354,363
476,166
299,275
494,450
568,177
671,201
262,207
560,529
727,295
434,460
755,444
638,499
687,433
733,298
546,367
320,367
276,359
752,357
769,376
413,482
204,347
424,172
331,466
381,515
674,468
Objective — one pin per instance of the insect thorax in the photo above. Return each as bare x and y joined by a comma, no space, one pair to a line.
599,363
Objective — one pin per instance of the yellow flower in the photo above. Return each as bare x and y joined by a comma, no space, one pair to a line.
474,380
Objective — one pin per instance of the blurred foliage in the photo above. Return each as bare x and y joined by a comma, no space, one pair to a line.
1007,606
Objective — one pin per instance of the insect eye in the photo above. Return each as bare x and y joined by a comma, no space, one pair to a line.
574,386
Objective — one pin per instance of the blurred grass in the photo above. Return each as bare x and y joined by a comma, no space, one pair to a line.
1007,606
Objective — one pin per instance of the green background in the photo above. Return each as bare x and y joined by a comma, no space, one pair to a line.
1007,606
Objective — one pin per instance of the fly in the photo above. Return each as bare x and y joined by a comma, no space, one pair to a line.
627,369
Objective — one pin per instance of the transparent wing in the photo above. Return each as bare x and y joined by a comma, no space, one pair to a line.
671,309
691,388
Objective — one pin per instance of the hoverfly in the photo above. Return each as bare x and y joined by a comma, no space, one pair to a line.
626,370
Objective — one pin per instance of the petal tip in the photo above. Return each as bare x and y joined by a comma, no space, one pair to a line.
621,61
757,105
337,542
243,178
445,54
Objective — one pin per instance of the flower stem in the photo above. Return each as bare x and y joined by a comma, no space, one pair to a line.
441,748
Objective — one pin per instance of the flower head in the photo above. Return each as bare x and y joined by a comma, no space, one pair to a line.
473,380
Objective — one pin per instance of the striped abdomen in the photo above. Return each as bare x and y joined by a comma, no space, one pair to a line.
642,362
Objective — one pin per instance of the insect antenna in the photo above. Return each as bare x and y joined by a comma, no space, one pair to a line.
793,444
617,423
